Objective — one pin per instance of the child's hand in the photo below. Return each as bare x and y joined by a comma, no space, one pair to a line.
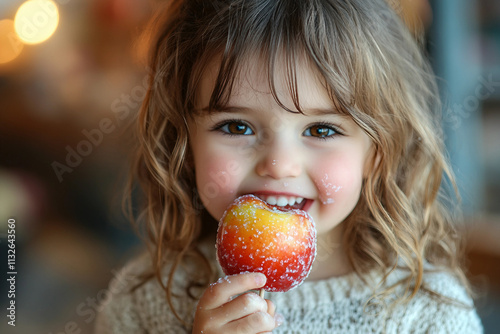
219,313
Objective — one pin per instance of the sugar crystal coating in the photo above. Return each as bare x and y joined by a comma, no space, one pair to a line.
255,237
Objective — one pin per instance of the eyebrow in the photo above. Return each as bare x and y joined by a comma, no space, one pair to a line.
322,112
228,109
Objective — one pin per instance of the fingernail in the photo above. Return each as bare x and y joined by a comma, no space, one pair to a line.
278,317
260,279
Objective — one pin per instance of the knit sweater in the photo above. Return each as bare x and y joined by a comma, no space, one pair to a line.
334,305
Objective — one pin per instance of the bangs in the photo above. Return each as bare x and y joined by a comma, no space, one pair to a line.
367,74
280,37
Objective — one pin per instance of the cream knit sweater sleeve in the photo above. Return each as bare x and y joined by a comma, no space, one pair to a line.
145,309
335,305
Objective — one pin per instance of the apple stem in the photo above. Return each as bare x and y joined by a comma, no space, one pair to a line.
261,293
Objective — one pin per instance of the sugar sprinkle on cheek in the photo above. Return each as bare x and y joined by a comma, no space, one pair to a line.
328,189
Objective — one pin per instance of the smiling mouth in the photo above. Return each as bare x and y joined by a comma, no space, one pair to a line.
285,203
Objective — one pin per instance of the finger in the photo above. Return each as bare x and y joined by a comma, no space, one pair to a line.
271,308
257,322
241,307
224,289
279,319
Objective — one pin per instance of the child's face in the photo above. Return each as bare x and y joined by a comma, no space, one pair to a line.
256,147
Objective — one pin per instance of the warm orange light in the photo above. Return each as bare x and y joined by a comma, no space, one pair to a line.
10,45
36,21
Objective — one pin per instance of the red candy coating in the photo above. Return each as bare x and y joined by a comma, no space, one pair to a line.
254,236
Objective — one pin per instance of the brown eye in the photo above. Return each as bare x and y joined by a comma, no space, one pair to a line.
236,128
320,131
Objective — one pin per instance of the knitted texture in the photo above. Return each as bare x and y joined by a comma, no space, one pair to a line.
335,305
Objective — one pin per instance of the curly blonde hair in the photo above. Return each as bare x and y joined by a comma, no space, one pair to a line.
374,71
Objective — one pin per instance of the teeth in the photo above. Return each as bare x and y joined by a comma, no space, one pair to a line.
282,200
271,200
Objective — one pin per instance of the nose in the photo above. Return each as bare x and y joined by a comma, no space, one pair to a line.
279,159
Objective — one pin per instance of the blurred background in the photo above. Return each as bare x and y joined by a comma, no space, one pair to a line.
72,77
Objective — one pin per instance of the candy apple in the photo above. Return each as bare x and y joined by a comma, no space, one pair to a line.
254,236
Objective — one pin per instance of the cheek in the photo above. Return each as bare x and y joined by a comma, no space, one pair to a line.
217,179
340,181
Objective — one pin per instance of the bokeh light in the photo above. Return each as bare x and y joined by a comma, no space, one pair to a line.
10,45
36,21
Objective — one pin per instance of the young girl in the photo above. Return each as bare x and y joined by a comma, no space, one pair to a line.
325,105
